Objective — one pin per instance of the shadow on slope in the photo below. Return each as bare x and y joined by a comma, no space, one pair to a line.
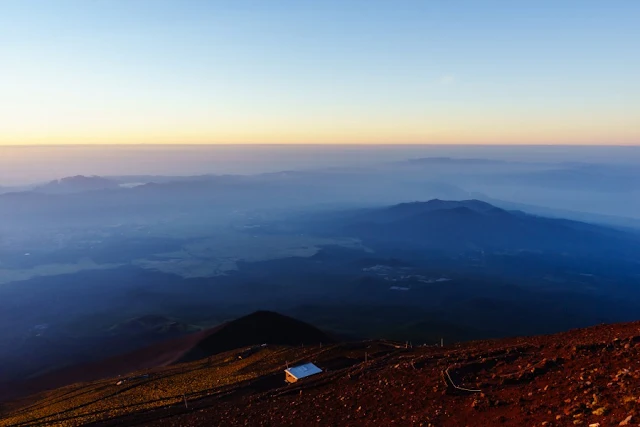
257,328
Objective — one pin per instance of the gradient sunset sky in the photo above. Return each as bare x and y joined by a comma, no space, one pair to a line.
319,71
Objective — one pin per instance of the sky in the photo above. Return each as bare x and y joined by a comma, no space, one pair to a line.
330,71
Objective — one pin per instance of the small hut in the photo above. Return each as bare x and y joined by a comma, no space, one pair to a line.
296,373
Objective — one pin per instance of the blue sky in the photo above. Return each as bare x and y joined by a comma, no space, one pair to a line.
349,71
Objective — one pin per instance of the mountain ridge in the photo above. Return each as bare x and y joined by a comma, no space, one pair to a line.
474,224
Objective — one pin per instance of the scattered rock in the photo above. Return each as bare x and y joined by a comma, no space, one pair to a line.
538,382
626,421
600,411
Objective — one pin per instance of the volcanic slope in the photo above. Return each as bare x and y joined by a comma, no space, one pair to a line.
580,377
256,328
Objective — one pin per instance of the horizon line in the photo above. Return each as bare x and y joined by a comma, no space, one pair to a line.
328,144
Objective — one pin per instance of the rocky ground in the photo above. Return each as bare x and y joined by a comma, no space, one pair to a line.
586,377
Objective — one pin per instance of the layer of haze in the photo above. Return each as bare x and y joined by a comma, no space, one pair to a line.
333,71
21,165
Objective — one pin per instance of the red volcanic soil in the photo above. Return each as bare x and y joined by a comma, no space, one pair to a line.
256,328
588,377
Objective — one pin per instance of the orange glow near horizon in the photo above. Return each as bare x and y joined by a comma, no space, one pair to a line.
593,133
141,72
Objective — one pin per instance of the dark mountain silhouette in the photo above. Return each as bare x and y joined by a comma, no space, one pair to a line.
404,210
476,225
257,328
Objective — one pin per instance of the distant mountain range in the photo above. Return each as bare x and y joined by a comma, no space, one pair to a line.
476,225
77,184
410,180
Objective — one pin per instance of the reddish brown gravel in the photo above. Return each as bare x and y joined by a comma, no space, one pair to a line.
585,377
